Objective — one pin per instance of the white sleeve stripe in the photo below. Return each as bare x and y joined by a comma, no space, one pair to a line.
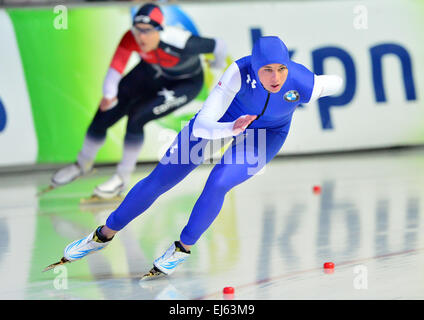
325,85
203,128
217,103
206,124
111,82
231,79
316,92
175,36
223,94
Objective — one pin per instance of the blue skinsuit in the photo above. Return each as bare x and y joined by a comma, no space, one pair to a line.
272,125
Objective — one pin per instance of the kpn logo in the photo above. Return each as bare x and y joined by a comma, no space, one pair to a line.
3,118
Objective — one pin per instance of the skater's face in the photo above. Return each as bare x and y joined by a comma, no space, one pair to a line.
146,36
273,76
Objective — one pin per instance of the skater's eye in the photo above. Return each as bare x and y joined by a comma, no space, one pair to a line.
144,30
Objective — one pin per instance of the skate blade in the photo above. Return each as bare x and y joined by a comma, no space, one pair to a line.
98,200
53,187
152,274
45,190
53,265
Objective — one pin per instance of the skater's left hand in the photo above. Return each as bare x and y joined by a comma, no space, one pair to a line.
106,104
242,123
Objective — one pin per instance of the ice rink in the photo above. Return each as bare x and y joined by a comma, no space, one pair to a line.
269,242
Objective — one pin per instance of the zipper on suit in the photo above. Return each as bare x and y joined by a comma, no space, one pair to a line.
263,110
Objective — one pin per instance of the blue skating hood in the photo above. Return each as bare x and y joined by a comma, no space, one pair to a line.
267,50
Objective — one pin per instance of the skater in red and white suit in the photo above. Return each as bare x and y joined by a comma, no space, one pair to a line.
168,77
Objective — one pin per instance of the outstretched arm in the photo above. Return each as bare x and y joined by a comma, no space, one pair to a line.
117,66
206,124
325,85
216,46
200,45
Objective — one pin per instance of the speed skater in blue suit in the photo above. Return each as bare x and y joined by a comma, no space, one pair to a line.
253,103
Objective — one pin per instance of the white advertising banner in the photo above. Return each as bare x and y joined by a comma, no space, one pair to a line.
373,45
18,142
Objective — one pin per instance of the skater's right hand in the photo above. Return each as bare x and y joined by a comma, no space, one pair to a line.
242,123
106,104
